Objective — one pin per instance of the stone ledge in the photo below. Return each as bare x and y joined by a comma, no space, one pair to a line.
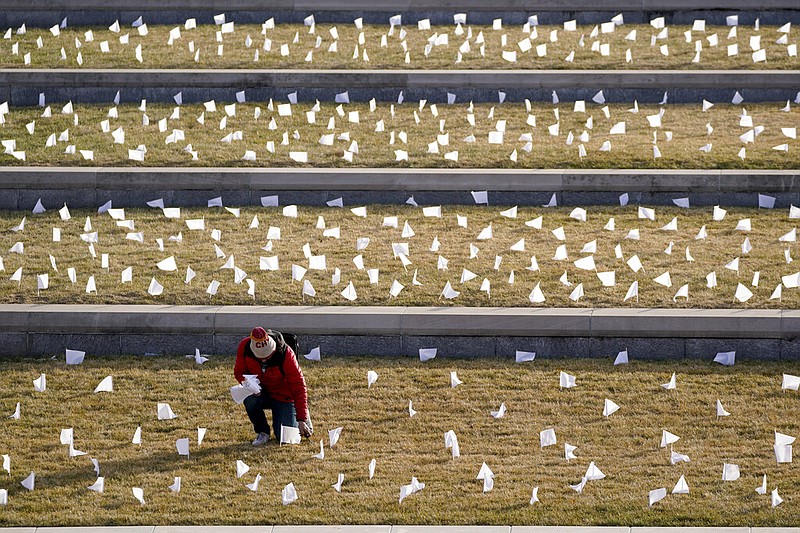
695,323
96,529
401,6
237,79
312,320
513,12
403,321
495,321
694,529
333,529
570,529
451,529
211,529
397,179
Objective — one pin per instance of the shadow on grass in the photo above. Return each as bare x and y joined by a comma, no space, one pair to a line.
149,464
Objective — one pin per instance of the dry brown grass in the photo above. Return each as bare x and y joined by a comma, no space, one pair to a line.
632,150
376,425
158,54
276,287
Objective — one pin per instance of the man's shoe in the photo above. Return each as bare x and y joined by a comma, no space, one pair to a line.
261,440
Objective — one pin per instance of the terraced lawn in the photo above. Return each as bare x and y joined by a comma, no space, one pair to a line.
295,261
376,425
412,135
338,46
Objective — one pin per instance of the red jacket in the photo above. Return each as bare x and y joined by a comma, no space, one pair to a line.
286,386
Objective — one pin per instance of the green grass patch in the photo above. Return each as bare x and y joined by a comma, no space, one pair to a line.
199,48
275,287
377,425
425,133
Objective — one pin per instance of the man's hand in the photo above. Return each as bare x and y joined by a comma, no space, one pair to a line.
305,429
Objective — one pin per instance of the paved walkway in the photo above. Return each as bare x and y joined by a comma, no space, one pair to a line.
396,529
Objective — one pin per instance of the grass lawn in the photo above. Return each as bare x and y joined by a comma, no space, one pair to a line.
275,287
199,48
625,446
427,135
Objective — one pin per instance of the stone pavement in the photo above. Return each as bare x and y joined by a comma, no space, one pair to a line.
395,529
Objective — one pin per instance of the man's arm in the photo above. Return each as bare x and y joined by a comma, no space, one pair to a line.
239,366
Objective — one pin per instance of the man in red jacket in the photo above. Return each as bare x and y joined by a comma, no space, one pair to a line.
266,356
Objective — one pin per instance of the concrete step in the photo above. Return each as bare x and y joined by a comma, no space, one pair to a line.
22,86
392,331
21,187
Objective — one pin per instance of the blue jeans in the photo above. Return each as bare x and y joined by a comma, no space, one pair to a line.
283,413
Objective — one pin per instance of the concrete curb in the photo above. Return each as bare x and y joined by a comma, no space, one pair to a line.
405,179
400,6
427,321
488,79
396,529
21,187
491,79
22,86
97,13
456,331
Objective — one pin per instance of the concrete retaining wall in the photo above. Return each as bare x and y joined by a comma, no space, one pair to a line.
98,12
21,87
456,332
21,187
401,6
492,79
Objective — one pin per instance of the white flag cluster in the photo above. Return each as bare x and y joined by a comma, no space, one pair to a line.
619,263
414,45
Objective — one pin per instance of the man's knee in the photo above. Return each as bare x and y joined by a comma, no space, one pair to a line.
284,414
252,403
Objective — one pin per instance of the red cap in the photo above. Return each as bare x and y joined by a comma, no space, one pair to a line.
261,344
258,334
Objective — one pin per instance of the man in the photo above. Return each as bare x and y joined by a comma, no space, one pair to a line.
283,387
